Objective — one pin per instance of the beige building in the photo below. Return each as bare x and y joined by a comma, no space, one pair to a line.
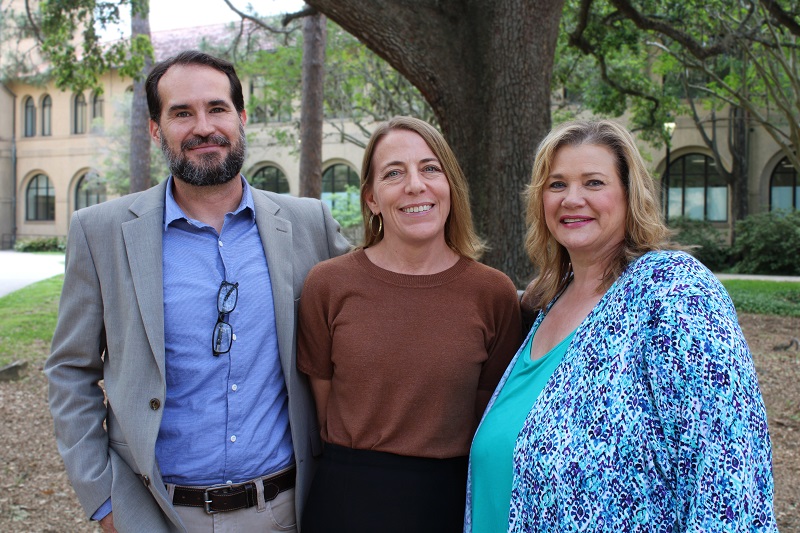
52,144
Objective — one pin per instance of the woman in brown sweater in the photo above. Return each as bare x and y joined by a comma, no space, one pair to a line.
403,341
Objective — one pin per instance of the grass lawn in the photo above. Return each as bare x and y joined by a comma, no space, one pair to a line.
27,321
28,316
764,297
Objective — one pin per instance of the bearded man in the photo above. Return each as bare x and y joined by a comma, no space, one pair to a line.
182,300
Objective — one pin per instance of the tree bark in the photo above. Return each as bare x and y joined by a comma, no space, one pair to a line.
140,178
312,108
739,148
485,69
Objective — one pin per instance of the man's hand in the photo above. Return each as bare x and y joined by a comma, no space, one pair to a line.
107,523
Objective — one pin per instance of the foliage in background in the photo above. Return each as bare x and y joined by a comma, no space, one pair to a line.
764,297
41,244
346,207
67,33
27,321
767,243
704,241
115,168
360,87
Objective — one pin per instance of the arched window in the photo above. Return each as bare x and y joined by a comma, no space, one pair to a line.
258,116
97,105
784,187
79,114
40,199
47,112
30,117
335,181
89,190
270,178
695,190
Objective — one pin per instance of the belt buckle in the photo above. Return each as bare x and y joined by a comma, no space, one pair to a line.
206,499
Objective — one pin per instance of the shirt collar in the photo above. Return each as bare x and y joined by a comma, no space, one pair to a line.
173,212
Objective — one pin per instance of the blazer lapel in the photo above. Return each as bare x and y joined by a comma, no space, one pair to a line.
276,237
143,243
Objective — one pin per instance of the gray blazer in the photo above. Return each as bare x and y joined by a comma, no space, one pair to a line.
111,328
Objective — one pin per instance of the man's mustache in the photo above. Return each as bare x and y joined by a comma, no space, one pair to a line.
194,142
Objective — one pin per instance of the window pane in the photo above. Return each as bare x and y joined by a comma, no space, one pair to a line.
79,111
783,183
717,204
47,106
89,191
30,117
270,178
40,199
97,106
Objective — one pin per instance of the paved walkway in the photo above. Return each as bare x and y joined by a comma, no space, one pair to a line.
18,270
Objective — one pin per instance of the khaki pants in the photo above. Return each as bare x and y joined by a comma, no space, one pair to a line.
276,516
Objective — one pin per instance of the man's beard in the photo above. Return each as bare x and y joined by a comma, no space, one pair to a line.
207,171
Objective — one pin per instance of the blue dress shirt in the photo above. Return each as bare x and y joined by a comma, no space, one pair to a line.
225,417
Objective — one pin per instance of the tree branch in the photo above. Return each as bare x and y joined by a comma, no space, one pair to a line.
32,22
255,20
784,19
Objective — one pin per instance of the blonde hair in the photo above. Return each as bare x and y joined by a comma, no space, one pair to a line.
459,233
644,226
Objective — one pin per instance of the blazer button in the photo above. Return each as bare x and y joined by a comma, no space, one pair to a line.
155,403
146,481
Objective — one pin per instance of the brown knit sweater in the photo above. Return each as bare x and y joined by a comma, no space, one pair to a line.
405,354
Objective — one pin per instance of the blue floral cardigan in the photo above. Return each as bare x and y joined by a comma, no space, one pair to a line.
653,421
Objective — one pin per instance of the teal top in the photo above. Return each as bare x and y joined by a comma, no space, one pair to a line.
493,446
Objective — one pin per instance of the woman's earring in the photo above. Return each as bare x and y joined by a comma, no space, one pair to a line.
380,224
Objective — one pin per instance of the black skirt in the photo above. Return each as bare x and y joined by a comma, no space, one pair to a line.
364,491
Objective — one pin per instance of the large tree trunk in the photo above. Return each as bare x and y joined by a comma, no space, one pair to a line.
140,138
740,151
485,68
312,108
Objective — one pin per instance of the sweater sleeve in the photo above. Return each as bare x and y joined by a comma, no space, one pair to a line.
714,443
313,328
504,315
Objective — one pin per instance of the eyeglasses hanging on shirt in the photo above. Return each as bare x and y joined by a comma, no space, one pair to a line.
222,337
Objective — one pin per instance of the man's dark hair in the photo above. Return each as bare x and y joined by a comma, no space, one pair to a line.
190,57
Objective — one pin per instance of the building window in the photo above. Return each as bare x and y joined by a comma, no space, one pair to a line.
79,114
336,179
30,117
47,111
97,105
695,190
89,190
40,199
258,116
270,178
784,187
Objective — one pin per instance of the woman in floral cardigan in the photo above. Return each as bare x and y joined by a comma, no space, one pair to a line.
633,405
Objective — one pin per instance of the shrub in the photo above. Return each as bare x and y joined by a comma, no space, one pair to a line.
767,243
704,241
41,244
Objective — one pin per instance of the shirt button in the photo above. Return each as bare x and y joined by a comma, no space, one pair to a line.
229,482
233,438
233,337
220,243
234,387
155,403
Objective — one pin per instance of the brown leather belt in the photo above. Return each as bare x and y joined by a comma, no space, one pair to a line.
222,498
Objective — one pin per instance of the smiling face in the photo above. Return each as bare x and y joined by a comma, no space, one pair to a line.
585,202
409,189
199,130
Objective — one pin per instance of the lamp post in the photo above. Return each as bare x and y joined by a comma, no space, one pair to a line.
669,129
